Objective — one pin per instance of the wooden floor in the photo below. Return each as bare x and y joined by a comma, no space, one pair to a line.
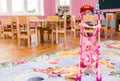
10,52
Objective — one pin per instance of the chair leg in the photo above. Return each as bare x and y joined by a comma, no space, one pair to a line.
13,39
0,34
65,39
16,38
111,34
106,34
3,36
48,36
38,37
77,32
28,41
74,33
52,38
71,33
19,42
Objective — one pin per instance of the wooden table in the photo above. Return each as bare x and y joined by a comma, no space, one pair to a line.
42,23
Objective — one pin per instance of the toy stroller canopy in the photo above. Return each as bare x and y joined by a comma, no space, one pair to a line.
86,7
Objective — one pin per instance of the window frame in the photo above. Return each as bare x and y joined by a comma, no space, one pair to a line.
25,12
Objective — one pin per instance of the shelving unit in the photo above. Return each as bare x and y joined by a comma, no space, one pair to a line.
65,9
63,6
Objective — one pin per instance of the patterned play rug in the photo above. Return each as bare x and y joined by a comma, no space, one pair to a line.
61,66
113,44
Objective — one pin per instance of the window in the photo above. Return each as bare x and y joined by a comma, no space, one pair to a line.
21,7
18,8
41,7
35,7
3,6
32,6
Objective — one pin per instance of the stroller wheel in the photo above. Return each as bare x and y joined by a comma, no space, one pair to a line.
78,78
99,79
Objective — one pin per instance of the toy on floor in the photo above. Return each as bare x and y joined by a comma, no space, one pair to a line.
89,43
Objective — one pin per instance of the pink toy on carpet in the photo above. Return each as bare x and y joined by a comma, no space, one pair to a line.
89,46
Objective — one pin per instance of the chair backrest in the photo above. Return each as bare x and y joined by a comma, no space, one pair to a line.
110,17
33,24
7,21
7,24
73,21
23,24
33,18
14,18
65,23
52,18
22,20
14,23
89,18
56,18
62,23
91,21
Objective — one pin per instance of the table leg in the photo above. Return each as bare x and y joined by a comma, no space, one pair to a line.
36,36
42,35
56,33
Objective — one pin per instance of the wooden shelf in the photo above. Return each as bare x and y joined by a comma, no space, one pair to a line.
65,9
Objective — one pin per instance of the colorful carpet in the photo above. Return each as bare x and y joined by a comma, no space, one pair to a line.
61,66
113,44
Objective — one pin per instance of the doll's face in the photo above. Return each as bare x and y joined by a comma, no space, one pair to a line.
89,47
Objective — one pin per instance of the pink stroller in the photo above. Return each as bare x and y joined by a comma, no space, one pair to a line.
89,44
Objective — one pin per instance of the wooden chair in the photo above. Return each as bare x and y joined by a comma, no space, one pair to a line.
7,27
33,25
59,27
44,27
75,27
23,30
14,29
51,23
107,28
